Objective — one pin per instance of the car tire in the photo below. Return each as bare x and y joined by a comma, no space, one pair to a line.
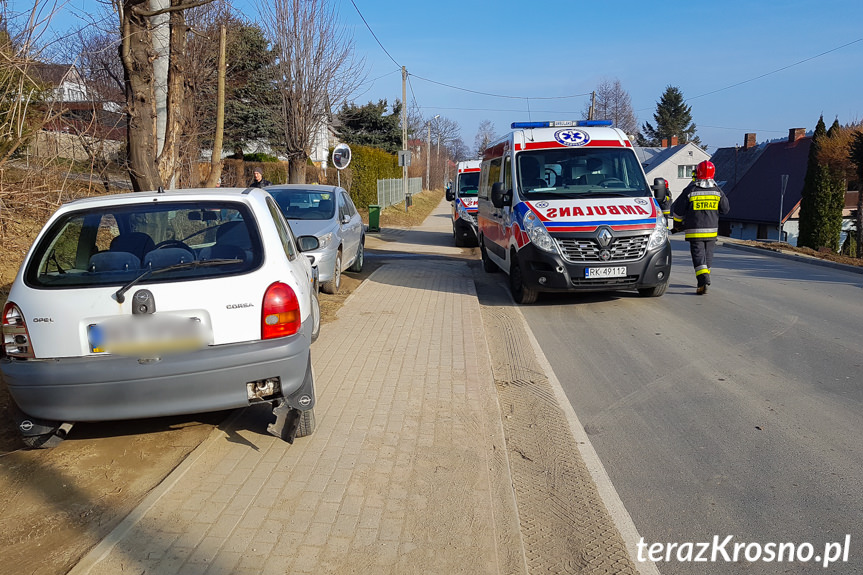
307,423
520,293
655,291
488,266
332,286
459,238
316,317
357,266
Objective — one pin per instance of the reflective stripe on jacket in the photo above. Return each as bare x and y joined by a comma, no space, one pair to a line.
698,208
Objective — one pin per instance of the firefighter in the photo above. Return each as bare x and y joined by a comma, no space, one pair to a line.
697,212
663,198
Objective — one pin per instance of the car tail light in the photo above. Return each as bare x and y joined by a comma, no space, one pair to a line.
16,339
281,312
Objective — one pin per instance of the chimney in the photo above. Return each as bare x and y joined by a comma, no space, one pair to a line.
748,141
664,142
673,140
795,134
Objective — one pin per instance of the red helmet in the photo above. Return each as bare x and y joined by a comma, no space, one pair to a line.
705,170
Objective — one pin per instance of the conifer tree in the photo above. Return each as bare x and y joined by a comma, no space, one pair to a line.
811,201
673,118
856,156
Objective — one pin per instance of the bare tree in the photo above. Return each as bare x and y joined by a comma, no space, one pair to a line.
613,103
484,136
315,67
153,130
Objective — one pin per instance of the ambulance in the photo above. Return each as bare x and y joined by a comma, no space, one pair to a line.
463,197
565,207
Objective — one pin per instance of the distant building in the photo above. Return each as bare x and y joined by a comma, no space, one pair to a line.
752,179
674,162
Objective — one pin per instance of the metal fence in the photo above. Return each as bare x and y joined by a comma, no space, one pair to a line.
391,192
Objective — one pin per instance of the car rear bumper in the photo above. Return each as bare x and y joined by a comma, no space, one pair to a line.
104,388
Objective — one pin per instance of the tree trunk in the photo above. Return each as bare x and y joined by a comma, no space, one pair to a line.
216,157
297,169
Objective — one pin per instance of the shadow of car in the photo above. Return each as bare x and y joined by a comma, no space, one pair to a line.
327,213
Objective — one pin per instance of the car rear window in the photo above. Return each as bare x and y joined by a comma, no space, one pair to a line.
169,241
305,204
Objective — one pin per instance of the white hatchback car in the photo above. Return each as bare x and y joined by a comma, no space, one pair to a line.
162,303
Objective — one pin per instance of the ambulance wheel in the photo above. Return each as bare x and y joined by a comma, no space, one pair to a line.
655,291
520,293
487,265
459,238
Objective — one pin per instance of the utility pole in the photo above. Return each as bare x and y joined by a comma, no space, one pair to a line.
428,154
784,180
592,111
405,132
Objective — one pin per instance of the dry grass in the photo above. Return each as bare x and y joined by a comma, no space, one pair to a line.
396,217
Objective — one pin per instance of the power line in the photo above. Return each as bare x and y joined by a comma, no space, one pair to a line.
363,18
499,95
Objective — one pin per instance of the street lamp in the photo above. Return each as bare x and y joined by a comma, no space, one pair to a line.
428,151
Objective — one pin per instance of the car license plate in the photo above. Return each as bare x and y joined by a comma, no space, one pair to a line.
610,272
150,334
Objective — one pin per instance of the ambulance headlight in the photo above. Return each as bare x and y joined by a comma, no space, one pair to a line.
659,235
538,234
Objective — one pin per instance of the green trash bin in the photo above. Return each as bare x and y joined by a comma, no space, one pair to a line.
374,218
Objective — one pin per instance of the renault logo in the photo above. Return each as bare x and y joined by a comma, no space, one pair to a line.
604,237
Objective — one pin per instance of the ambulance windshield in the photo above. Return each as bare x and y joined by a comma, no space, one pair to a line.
580,172
468,183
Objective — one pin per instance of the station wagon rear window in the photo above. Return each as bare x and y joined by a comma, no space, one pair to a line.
161,241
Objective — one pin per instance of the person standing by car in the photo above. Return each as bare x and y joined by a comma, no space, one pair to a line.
259,181
697,211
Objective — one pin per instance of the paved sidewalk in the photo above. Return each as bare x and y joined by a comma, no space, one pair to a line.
406,473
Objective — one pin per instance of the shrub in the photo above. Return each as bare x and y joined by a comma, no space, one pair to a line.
368,165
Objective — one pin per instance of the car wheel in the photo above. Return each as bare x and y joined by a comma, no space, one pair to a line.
357,266
307,423
316,317
520,293
459,238
487,265
332,286
655,291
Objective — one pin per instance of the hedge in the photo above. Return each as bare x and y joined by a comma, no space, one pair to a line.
368,165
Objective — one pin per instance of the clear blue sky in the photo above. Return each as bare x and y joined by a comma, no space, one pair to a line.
760,66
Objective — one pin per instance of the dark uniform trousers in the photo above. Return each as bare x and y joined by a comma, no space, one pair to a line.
702,258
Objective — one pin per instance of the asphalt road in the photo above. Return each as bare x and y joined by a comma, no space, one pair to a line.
736,413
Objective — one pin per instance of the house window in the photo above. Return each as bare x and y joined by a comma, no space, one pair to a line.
685,171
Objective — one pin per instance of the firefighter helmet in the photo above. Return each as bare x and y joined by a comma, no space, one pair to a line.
705,170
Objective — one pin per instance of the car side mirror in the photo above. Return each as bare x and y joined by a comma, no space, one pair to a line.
308,243
499,197
660,188
450,195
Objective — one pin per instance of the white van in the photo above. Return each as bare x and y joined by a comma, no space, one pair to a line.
463,195
565,206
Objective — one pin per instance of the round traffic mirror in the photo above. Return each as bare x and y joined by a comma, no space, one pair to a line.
341,156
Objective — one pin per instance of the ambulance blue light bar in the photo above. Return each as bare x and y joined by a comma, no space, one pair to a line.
561,124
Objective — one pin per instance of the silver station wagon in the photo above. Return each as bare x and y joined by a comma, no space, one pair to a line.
162,303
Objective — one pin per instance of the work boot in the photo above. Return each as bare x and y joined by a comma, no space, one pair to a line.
701,290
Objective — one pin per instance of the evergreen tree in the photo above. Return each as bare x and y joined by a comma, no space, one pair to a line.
856,156
816,197
835,200
370,125
673,118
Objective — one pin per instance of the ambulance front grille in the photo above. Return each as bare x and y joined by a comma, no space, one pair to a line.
587,250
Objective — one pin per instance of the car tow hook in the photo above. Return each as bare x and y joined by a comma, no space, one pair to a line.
287,422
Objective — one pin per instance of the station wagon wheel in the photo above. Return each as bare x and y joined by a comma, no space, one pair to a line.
520,293
332,286
357,266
